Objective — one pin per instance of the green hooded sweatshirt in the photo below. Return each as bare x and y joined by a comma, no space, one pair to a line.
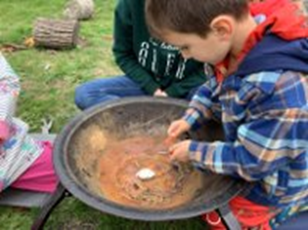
148,62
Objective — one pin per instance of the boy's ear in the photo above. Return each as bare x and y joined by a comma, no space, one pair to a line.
223,26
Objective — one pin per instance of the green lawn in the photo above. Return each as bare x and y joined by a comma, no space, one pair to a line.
49,77
48,81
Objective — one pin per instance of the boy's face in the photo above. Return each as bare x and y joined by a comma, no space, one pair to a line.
211,49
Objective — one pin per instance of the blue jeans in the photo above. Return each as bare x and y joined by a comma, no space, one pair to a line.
106,89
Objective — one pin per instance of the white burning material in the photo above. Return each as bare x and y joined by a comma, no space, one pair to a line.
145,174
163,152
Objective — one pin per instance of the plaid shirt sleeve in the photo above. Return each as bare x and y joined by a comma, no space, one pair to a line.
200,107
266,121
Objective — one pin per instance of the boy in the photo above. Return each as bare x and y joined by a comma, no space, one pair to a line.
259,93
24,162
150,67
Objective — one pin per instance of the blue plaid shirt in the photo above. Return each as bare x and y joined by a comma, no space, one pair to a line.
265,119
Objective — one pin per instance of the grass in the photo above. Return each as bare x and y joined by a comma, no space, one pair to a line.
49,78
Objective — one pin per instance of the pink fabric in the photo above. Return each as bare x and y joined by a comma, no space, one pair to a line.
4,131
40,176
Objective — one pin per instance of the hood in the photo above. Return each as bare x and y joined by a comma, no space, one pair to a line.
282,17
274,53
280,39
279,42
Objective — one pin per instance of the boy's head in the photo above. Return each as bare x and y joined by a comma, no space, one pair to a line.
197,26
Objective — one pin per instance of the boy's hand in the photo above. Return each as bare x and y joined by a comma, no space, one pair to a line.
177,128
180,151
160,93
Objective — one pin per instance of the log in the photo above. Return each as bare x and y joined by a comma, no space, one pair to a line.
55,33
79,9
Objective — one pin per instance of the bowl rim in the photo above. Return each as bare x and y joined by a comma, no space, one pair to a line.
74,188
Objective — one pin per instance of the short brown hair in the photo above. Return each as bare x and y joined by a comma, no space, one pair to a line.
190,16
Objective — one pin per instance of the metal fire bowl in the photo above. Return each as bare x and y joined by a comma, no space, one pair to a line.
115,117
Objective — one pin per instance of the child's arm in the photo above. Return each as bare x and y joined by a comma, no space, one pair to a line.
123,49
200,107
273,132
9,91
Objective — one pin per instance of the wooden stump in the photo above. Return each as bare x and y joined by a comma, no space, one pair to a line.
56,33
79,9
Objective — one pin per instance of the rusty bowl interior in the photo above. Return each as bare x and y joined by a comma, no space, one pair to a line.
74,165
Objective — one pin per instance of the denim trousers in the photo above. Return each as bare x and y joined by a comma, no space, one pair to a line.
106,89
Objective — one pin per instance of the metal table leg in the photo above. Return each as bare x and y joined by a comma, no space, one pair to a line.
228,218
47,208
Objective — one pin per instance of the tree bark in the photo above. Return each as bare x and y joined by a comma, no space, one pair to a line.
56,33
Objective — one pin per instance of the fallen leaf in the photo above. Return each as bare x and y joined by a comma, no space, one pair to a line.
29,42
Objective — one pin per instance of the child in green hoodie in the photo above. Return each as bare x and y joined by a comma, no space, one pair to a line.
150,67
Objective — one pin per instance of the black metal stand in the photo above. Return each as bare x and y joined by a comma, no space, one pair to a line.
228,218
224,211
47,208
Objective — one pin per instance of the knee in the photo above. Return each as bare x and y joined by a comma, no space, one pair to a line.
87,95
82,97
